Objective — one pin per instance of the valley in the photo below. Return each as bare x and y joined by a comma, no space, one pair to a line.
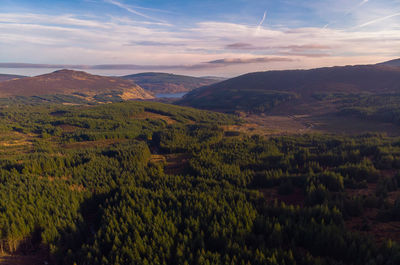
163,83
235,132
91,158
326,100
282,178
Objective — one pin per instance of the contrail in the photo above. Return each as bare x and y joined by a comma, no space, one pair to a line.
377,20
262,20
131,10
152,9
363,3
357,7
348,12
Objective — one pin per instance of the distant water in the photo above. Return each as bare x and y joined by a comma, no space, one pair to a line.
175,95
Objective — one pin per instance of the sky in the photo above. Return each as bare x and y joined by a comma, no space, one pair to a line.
200,38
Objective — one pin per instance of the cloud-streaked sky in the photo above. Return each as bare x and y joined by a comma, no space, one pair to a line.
205,37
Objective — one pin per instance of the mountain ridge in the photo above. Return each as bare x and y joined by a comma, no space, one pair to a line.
395,62
6,77
70,82
250,88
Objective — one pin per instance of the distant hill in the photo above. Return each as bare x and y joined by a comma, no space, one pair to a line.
170,83
216,78
76,83
6,77
263,91
395,62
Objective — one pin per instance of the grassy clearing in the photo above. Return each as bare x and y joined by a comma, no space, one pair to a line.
276,125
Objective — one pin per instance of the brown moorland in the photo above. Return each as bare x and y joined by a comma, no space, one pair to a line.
6,77
69,82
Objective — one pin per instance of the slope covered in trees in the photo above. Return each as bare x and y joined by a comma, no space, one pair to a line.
97,185
395,62
168,83
368,91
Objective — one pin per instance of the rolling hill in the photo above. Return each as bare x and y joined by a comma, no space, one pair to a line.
169,83
266,90
327,98
395,62
6,77
74,83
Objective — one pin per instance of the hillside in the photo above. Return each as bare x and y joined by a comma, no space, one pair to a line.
169,83
6,77
323,96
395,62
247,89
76,83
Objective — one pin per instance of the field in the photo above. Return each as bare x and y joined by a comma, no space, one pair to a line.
275,125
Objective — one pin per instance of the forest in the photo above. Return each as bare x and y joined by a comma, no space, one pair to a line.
250,100
151,183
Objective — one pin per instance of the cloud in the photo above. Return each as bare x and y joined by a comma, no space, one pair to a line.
210,64
311,55
51,20
249,60
308,47
377,20
90,67
245,46
44,66
306,50
156,43
133,11
226,48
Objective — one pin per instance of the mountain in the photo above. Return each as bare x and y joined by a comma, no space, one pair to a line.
348,99
75,83
263,91
395,62
6,77
169,83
